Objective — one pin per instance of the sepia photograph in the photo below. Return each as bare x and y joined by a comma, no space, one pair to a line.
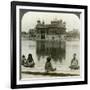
50,44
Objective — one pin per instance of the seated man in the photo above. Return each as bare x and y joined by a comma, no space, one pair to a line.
48,65
74,62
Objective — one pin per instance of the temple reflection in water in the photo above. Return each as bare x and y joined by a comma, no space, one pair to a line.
55,49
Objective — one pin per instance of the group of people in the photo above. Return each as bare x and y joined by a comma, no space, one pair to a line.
29,62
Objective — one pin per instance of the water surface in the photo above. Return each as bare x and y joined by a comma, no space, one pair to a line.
61,53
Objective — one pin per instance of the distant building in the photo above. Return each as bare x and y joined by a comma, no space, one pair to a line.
32,34
54,31
25,35
73,35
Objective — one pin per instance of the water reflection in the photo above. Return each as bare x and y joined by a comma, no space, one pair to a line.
55,49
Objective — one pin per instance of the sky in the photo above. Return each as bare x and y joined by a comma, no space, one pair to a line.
29,20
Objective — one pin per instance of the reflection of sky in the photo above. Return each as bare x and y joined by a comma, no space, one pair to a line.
29,20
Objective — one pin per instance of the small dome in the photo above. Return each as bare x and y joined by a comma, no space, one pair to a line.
38,21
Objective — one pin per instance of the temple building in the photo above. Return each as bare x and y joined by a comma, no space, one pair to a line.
56,30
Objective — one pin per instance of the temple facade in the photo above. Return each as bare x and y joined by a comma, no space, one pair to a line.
56,30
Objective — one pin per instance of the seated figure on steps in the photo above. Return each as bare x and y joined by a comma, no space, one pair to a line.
74,62
48,65
29,62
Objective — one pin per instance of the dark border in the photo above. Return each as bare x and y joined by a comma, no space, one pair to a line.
13,44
